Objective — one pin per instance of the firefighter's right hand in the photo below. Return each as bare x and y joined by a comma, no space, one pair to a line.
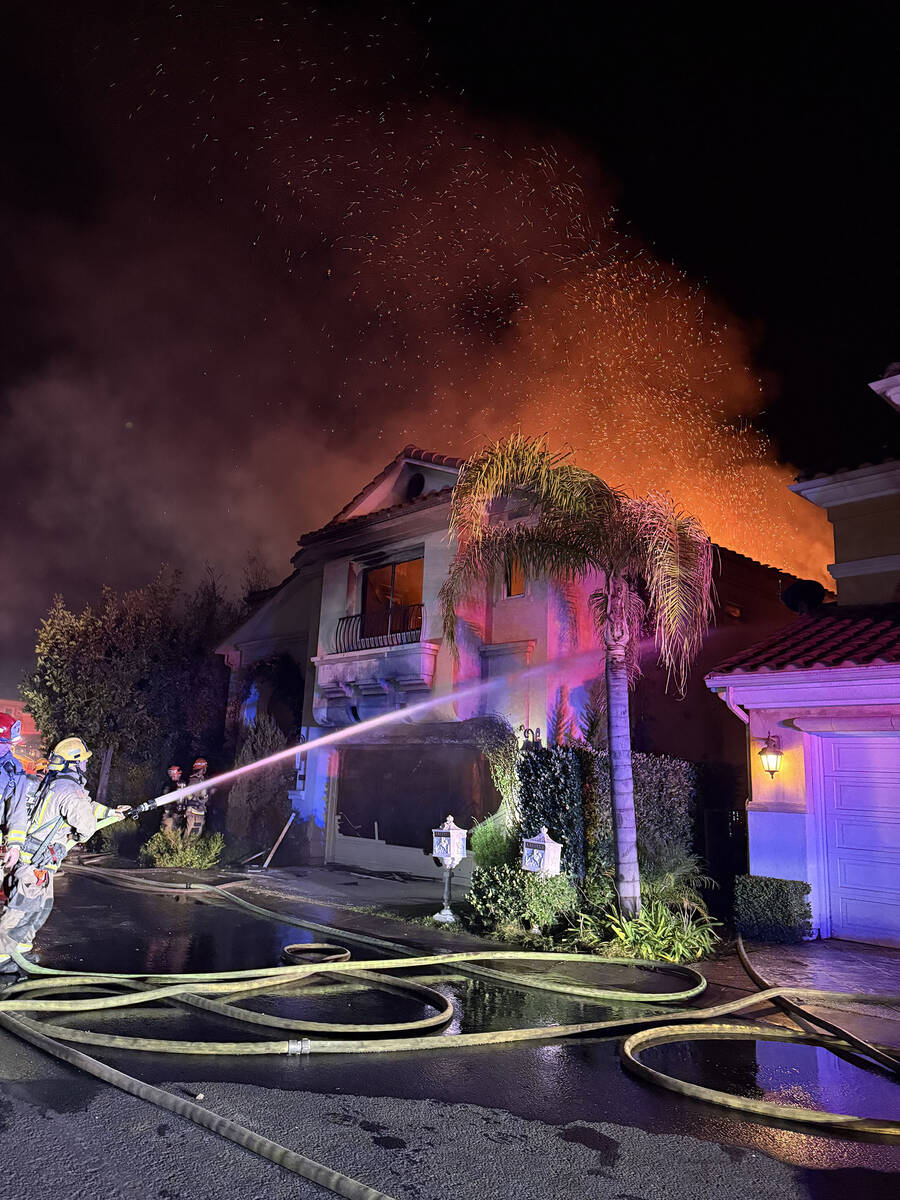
11,857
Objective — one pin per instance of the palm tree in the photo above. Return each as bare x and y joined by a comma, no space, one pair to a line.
651,561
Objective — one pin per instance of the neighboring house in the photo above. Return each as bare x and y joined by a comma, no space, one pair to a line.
827,690
360,614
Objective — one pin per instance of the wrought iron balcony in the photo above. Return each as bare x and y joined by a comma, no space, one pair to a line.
397,626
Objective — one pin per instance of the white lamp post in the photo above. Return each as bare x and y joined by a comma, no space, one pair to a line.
541,854
449,845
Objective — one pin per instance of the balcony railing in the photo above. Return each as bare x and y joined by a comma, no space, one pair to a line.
397,626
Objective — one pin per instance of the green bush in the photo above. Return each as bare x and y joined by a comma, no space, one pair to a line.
772,910
496,897
506,899
550,795
494,843
547,899
664,790
173,849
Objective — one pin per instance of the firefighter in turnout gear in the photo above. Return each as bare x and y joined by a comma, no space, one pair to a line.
195,811
13,796
173,814
62,812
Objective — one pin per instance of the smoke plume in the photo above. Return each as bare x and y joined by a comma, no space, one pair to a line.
284,255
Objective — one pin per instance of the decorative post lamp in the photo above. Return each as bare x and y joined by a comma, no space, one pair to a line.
541,854
771,754
449,845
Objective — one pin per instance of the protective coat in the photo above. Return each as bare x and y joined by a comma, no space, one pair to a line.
62,810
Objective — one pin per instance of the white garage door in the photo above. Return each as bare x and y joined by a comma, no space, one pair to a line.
862,824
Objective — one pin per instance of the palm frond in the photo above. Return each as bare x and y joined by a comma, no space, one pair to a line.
522,466
677,570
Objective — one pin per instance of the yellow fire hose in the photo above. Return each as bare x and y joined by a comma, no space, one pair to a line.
198,991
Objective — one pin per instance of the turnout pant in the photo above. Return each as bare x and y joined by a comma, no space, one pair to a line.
194,820
29,907
171,820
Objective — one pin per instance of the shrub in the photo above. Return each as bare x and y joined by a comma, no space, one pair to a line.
497,897
664,789
772,910
494,843
506,898
546,899
550,795
173,849
664,934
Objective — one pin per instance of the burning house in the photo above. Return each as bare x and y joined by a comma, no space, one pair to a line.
360,616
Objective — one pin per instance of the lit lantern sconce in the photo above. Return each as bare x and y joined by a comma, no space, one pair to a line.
448,843
541,854
771,754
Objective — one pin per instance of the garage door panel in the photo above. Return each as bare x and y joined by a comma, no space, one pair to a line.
861,792
849,834
864,795
868,920
863,874
866,755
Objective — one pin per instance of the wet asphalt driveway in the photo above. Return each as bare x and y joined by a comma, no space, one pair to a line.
540,1119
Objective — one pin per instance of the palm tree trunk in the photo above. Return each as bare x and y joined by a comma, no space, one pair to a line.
103,783
616,634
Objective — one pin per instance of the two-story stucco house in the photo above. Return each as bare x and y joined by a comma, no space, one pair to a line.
826,693
360,614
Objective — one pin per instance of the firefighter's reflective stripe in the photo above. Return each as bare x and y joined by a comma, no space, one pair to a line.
15,837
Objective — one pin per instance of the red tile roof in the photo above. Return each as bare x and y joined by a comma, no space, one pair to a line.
832,637
428,456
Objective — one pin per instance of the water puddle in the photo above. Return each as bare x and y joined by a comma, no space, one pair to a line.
793,1074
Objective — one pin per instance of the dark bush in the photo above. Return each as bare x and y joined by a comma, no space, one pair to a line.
772,910
664,790
550,795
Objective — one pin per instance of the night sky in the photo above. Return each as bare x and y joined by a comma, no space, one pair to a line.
249,250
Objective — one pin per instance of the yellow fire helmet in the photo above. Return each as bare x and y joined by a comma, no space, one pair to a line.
69,750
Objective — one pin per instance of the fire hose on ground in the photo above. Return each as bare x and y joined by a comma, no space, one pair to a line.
218,995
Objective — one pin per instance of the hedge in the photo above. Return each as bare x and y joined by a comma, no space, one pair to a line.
664,791
772,910
550,795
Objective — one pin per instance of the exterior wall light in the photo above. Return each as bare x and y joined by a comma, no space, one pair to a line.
448,843
541,854
771,754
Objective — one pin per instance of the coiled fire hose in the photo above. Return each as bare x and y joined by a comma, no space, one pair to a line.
197,991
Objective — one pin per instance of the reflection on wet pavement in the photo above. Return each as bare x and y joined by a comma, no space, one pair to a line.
565,1082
